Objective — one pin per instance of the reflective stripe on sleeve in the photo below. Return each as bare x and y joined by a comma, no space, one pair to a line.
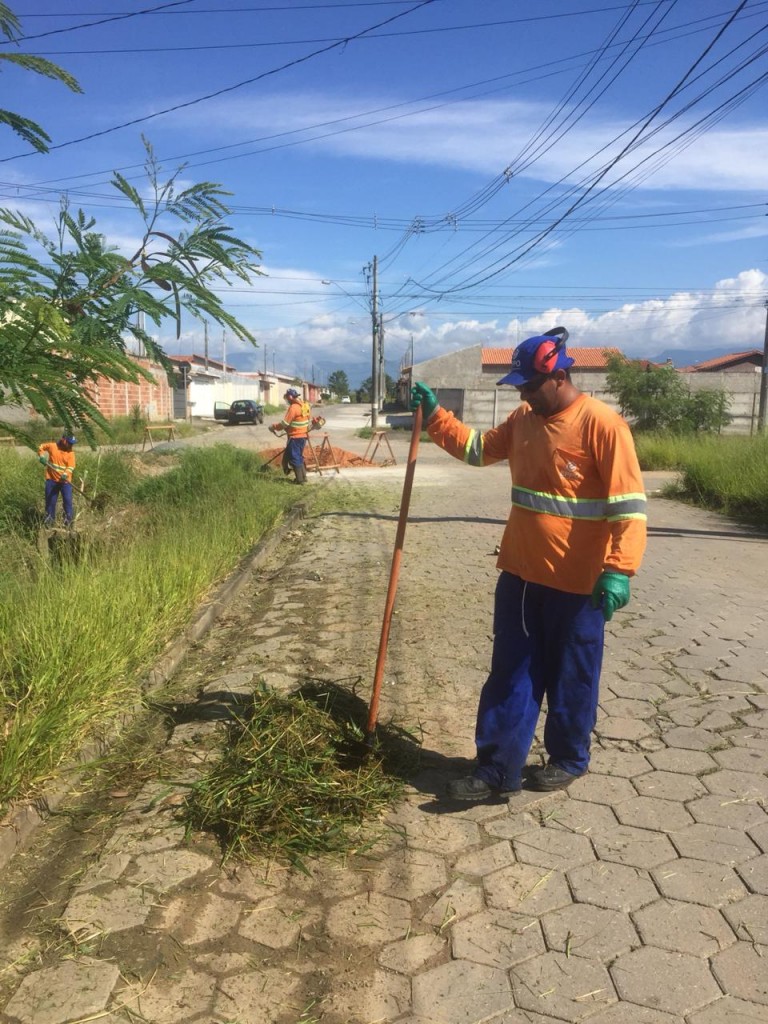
621,506
473,449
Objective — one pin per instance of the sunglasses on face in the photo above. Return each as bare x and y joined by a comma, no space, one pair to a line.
533,384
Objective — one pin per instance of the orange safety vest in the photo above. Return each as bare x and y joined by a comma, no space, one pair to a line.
295,422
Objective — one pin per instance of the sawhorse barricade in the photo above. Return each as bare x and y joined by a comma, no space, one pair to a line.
380,437
317,455
170,432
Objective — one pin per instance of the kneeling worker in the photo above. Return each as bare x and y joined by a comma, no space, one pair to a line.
575,535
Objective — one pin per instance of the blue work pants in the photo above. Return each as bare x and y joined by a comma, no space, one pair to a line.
546,644
295,450
54,488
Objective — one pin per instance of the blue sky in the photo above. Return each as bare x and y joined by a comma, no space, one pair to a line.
512,166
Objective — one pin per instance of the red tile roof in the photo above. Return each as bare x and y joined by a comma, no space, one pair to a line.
720,362
584,358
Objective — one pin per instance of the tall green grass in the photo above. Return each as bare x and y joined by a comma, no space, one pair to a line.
727,473
78,634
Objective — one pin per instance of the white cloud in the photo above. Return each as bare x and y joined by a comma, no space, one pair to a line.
486,136
729,317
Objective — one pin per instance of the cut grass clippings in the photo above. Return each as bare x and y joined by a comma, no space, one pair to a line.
293,782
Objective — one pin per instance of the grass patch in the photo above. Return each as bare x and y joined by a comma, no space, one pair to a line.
79,633
292,782
726,473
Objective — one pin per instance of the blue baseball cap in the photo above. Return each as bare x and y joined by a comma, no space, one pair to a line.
534,357
69,438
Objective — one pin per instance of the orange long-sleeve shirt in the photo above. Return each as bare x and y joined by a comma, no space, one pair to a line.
578,501
60,464
295,422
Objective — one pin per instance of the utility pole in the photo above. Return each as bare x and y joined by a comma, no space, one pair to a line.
382,378
205,326
224,351
375,347
763,380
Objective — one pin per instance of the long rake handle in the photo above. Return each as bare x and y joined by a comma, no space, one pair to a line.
394,575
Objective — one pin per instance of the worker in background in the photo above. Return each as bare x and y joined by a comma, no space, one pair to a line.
295,423
59,461
574,538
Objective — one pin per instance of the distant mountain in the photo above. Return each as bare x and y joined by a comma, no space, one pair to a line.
690,356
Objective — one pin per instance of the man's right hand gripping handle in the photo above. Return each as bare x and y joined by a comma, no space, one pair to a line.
422,396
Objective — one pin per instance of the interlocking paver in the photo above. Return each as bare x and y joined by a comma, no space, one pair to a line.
669,786
755,874
382,996
635,847
717,843
71,990
407,874
728,811
569,988
680,759
699,881
113,910
749,919
683,928
192,919
652,813
411,954
553,848
619,763
370,919
255,997
580,817
741,972
740,785
526,889
497,938
462,898
729,1011
278,922
613,886
693,739
461,993
593,932
742,759
483,862
662,980
604,789
189,993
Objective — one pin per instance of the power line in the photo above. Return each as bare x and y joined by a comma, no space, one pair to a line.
231,88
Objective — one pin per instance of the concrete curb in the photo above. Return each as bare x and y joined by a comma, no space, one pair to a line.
21,821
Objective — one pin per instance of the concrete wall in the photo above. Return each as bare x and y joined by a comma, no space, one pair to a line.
486,405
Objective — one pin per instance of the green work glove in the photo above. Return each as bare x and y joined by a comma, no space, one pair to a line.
610,593
43,459
422,396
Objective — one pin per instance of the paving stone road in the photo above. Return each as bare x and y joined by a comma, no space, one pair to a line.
639,896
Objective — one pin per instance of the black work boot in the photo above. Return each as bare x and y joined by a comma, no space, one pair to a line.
549,777
301,473
471,788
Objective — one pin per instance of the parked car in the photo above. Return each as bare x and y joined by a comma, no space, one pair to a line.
346,399
244,410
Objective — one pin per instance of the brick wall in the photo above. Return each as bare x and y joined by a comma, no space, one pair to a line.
118,398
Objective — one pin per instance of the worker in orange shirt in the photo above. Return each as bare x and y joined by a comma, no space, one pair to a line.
59,461
575,536
295,423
